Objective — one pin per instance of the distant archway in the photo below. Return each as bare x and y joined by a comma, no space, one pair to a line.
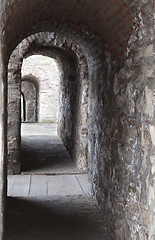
30,89
44,71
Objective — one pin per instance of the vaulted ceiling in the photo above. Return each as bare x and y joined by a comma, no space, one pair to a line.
110,21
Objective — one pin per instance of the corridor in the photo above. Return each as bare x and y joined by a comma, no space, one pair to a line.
51,207
46,202
95,79
42,151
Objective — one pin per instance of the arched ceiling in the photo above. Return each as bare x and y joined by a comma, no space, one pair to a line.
108,20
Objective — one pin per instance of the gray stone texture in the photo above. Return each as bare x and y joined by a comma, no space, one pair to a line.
122,145
116,39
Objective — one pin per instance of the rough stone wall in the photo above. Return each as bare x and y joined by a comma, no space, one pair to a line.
30,96
13,121
73,114
68,99
80,148
123,143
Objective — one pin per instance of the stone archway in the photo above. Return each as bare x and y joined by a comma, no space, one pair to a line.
70,80
46,72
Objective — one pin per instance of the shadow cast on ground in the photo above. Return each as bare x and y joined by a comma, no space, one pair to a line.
59,218
44,154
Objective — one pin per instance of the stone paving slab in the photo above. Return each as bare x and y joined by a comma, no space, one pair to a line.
83,182
11,180
18,185
55,186
44,186
29,129
38,186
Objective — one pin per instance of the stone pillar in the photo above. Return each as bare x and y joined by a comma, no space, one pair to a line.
14,119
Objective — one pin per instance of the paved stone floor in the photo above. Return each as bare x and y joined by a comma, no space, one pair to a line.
47,186
42,206
51,208
42,151
56,218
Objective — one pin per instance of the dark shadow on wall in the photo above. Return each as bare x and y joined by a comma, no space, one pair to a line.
23,107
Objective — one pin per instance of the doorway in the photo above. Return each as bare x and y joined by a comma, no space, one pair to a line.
42,151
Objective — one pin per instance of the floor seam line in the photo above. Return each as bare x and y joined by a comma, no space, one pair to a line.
63,186
30,185
46,187
79,184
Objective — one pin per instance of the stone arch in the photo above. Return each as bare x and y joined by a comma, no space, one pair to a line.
77,151
112,29
48,87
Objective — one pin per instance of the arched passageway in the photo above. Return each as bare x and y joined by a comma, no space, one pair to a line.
114,41
73,95
41,150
